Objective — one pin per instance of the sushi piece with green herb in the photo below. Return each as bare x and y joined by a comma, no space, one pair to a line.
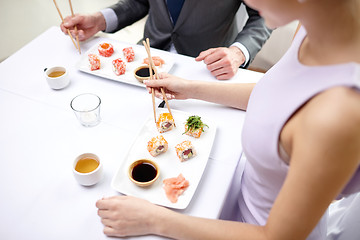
194,126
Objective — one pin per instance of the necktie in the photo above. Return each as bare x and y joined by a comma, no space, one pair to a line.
174,7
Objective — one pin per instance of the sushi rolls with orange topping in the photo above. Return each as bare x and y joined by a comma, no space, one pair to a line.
157,145
129,54
119,66
185,150
105,49
165,122
94,62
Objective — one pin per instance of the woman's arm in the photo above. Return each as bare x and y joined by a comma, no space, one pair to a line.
323,140
230,94
130,216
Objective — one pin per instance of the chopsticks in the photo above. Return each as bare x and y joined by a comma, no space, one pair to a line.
77,45
151,69
147,47
77,35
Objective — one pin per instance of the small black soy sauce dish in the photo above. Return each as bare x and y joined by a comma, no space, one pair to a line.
142,73
143,172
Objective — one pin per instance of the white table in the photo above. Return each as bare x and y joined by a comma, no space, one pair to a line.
40,137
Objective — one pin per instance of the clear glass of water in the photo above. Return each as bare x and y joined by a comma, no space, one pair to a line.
86,107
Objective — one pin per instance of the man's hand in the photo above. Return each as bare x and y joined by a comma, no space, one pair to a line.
87,25
222,62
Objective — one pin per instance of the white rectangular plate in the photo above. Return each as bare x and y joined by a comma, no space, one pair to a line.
106,70
169,163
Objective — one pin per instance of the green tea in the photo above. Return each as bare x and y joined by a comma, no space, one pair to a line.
86,165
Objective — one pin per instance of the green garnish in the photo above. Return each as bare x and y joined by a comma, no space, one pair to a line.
193,123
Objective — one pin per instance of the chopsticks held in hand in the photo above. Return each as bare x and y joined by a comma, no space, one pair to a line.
77,44
151,69
77,35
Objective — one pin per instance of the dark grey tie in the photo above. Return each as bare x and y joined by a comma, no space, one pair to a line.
174,7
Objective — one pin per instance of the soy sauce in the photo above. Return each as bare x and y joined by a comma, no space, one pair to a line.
143,72
144,172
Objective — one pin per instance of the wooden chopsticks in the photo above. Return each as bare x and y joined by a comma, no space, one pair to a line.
77,35
151,69
77,44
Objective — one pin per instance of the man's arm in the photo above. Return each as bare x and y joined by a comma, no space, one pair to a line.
254,34
129,11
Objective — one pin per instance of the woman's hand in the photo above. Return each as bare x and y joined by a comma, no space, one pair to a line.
127,216
174,87
87,25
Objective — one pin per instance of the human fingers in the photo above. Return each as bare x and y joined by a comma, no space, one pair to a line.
80,33
225,76
204,54
221,70
128,216
112,229
158,93
64,28
111,232
225,62
104,213
83,35
71,21
155,83
163,75
178,88
107,222
80,25
106,203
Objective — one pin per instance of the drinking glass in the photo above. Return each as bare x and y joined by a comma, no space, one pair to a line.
86,107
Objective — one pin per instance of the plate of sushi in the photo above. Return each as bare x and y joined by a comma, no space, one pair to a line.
118,61
180,144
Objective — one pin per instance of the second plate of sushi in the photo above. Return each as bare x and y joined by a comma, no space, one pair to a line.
118,61
180,152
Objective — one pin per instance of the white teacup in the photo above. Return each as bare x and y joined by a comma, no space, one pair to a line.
57,77
87,169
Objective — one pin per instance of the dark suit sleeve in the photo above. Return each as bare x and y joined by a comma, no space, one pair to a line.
254,34
130,11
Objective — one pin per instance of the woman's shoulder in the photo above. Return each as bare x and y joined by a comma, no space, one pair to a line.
334,113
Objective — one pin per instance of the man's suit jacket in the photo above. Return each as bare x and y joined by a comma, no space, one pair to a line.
202,24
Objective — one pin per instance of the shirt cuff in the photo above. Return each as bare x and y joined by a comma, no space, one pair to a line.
110,18
244,50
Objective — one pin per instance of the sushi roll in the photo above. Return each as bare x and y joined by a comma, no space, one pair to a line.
94,62
105,49
157,145
165,122
119,66
194,127
185,150
129,54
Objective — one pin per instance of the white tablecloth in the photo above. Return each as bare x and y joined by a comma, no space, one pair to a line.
40,137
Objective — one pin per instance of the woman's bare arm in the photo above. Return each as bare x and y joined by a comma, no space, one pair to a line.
230,94
324,149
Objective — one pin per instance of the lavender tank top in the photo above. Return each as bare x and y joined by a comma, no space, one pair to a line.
282,90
